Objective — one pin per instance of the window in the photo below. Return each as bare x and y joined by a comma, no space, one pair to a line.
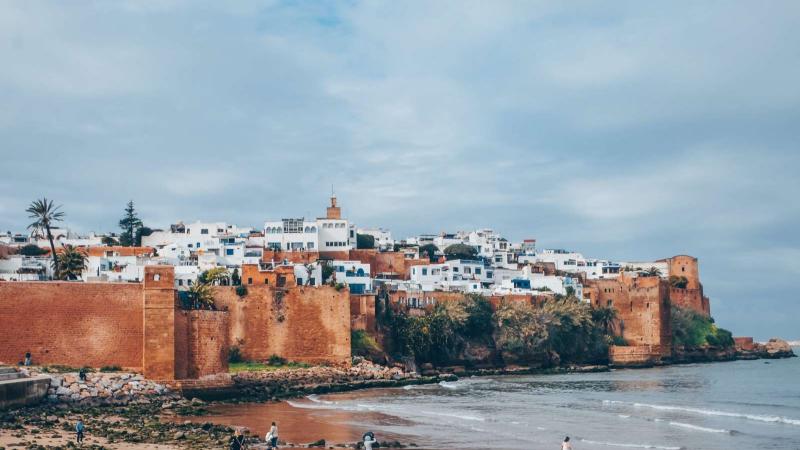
249,281
310,245
229,251
477,271
266,280
188,282
424,271
299,281
204,231
191,246
180,282
455,269
198,245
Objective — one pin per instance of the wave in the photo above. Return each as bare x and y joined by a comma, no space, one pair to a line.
699,428
712,412
315,398
449,384
617,444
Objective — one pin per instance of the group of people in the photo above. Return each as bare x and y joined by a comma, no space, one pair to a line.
239,442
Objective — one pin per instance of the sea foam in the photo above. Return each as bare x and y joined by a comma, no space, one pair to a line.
712,412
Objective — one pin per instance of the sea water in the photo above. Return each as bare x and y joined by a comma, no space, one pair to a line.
718,406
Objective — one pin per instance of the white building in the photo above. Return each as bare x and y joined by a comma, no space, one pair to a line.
353,273
383,237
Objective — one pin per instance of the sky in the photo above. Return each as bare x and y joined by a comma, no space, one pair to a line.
624,130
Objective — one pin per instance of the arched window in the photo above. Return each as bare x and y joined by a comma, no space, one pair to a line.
156,277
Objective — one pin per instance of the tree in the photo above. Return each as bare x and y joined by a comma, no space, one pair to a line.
236,279
327,271
460,251
201,296
429,250
109,241
142,231
71,263
605,317
216,276
678,282
365,241
45,213
130,224
652,272
32,250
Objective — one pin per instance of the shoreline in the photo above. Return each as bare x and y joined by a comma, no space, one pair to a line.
163,422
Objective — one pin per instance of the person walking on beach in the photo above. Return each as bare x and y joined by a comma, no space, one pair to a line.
28,359
566,444
79,427
272,436
237,441
369,439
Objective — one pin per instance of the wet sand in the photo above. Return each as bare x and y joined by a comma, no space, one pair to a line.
299,425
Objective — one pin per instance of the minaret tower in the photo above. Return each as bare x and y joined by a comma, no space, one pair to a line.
334,212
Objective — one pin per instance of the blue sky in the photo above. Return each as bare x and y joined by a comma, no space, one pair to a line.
627,130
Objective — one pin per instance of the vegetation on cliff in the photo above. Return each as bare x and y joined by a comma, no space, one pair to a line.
690,329
469,331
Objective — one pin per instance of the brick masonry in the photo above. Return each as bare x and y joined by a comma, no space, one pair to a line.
297,323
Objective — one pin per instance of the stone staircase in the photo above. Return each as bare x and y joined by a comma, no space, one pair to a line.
18,389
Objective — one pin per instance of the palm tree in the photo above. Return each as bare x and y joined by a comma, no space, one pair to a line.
71,263
604,317
201,296
653,272
46,213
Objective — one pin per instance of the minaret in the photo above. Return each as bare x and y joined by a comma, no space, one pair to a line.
334,212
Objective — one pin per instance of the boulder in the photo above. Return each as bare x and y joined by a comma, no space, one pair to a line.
778,348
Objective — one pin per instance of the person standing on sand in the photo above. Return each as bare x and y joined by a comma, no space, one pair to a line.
237,441
369,439
28,359
566,444
272,436
79,427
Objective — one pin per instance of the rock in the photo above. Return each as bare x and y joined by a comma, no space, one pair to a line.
55,382
197,401
778,348
63,391
179,435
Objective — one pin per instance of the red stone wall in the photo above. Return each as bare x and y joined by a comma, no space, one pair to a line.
304,257
133,325
691,299
297,323
362,312
632,355
685,266
380,262
744,343
643,309
204,336
72,323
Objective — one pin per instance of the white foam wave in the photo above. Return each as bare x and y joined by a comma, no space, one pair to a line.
623,416
449,385
712,412
315,398
409,387
698,428
456,416
617,444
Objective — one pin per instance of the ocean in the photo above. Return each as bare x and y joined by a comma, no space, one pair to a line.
718,406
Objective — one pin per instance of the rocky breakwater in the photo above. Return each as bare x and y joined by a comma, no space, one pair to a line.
288,383
95,389
775,348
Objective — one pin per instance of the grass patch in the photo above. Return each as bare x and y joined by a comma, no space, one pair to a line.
256,366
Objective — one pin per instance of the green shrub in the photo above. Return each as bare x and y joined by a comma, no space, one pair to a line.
362,344
235,355
691,329
619,341
276,360
111,369
241,291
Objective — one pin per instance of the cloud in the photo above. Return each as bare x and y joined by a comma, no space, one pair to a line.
628,130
